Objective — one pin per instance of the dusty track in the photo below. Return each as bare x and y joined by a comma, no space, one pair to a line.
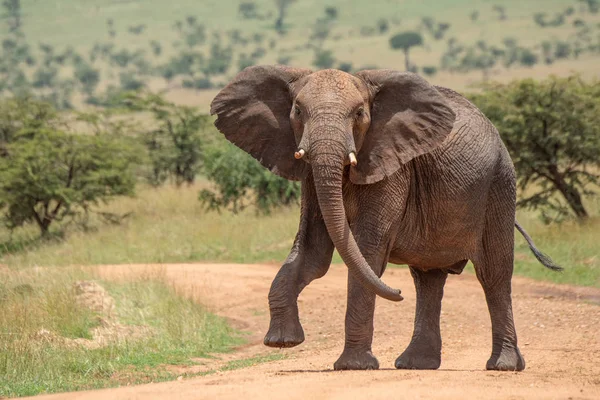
558,327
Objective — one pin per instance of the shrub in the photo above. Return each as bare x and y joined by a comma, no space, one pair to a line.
383,25
345,66
430,70
241,181
562,50
528,58
130,81
174,141
323,59
331,12
248,10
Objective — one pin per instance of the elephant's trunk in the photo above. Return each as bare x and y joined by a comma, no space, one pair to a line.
328,165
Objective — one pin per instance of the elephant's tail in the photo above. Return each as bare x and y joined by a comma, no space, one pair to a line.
541,257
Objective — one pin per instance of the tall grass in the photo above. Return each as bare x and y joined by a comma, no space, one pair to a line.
32,362
167,225
170,225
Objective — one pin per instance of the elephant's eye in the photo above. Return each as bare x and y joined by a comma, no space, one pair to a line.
360,112
297,110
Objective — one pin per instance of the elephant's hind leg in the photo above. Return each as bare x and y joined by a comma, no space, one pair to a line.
494,268
425,348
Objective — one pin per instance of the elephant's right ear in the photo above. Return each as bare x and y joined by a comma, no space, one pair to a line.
253,112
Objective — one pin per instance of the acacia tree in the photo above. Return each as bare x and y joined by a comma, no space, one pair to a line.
52,176
552,130
405,41
282,7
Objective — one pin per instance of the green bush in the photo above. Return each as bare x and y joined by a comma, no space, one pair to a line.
430,70
324,59
240,181
345,66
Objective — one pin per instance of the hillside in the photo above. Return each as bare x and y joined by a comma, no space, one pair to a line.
228,35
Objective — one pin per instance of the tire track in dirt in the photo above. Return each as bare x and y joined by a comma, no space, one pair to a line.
558,327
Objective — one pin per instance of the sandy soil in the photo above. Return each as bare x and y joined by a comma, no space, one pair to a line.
558,327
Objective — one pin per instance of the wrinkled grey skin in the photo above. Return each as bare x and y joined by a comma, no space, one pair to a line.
434,187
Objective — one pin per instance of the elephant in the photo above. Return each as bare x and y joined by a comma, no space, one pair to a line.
392,170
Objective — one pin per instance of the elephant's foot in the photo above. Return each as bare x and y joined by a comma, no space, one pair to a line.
419,357
284,332
356,359
509,359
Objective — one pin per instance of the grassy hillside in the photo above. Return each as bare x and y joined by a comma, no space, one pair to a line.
353,37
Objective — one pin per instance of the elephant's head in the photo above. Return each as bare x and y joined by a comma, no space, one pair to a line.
292,120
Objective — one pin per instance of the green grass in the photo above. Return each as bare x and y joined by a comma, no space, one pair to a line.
169,225
575,246
181,330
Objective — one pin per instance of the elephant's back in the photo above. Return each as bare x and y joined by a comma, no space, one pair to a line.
468,157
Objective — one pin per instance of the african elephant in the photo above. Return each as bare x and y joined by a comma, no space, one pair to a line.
395,170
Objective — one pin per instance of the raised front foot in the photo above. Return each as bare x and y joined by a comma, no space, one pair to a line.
356,360
284,332
509,359
419,357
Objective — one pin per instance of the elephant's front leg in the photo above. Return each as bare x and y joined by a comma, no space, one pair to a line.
357,354
309,259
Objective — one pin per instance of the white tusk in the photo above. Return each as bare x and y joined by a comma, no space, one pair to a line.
299,154
352,158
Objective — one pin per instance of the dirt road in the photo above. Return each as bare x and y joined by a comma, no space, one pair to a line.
558,327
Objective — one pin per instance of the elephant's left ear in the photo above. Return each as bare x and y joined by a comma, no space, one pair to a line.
409,117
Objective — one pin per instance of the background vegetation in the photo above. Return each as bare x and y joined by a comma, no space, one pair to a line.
107,155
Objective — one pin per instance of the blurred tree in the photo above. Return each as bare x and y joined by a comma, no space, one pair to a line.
501,10
324,59
15,52
13,14
248,10
137,29
593,6
405,41
430,70
435,29
331,12
562,50
282,7
345,66
547,53
174,140
383,25
552,130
